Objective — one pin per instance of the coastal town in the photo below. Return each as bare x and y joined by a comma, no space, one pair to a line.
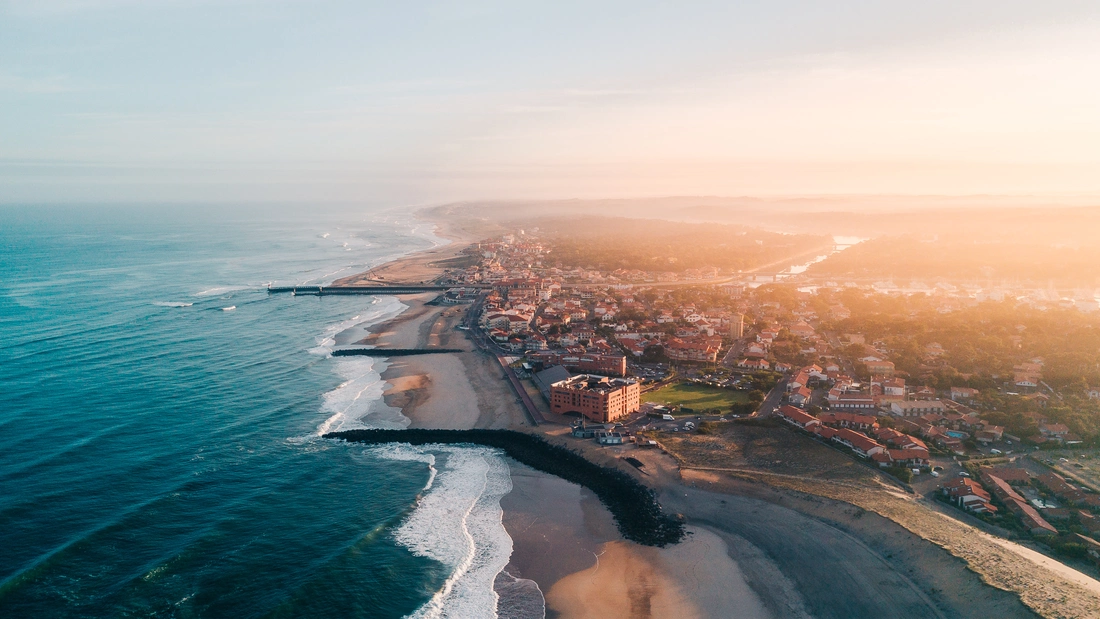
628,355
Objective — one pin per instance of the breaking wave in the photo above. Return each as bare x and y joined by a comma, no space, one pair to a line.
457,522
357,401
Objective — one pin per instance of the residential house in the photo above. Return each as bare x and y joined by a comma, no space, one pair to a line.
797,417
753,364
969,494
886,368
963,393
917,408
864,423
801,397
861,444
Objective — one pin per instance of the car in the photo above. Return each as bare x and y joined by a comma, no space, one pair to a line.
964,474
935,473
995,452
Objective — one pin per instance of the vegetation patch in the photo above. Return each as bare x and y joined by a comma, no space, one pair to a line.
697,397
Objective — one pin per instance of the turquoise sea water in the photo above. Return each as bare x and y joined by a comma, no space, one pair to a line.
157,451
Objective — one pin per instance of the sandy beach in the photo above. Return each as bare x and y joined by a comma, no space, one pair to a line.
567,542
756,549
449,390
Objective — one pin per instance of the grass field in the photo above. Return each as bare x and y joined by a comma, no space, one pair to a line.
697,397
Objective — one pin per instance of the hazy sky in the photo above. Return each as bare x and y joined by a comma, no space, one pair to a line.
415,102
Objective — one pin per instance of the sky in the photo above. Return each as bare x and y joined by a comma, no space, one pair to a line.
423,102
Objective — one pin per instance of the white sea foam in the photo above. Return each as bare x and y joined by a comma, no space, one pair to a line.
357,402
172,304
221,290
458,523
407,453
381,308
520,598
457,520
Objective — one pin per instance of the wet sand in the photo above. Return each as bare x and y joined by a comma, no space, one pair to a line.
449,390
566,542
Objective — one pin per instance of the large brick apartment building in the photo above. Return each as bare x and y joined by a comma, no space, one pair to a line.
598,398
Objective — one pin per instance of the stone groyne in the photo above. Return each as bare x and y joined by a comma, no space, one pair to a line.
391,352
634,506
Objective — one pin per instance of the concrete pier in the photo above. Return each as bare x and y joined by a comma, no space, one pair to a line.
325,290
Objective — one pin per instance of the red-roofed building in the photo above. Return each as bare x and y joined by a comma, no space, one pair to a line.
753,364
909,457
963,393
1010,474
864,423
863,445
801,397
989,434
1030,518
852,401
969,495
900,440
797,417
692,349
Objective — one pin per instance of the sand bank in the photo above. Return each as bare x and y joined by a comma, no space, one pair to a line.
566,542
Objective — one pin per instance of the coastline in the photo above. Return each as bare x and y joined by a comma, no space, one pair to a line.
780,552
561,534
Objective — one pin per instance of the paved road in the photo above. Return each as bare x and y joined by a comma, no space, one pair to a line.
733,355
773,399
488,345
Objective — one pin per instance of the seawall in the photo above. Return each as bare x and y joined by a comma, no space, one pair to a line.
634,506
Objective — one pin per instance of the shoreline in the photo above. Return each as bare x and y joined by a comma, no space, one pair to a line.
559,543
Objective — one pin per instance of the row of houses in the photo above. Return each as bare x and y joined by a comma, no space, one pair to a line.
977,497
1067,492
889,448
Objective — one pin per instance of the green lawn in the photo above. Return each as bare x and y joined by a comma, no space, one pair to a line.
697,397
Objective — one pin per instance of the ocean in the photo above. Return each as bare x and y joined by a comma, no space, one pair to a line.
159,450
